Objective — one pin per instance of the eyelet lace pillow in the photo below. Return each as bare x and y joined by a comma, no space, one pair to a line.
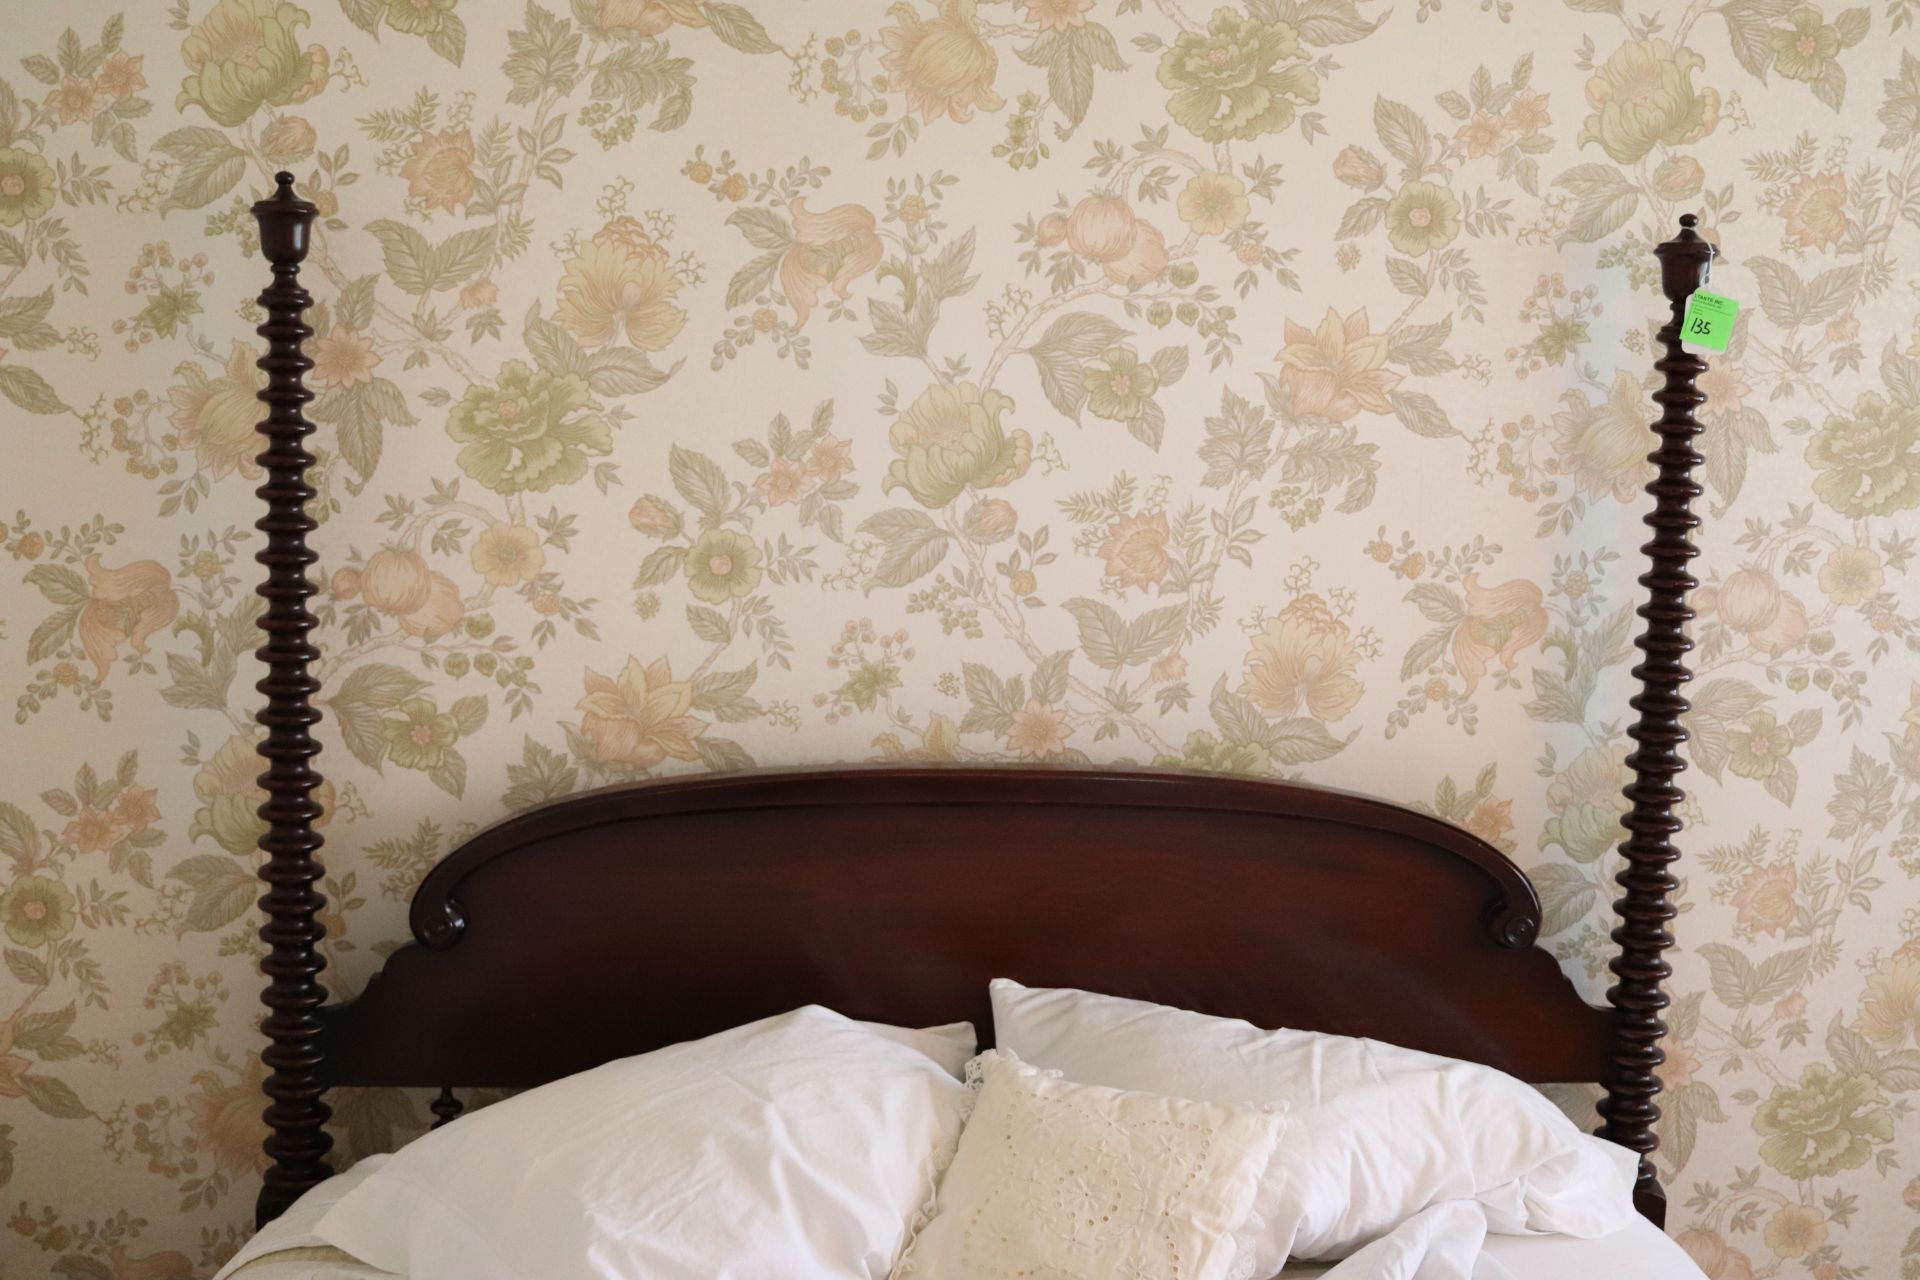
1080,1182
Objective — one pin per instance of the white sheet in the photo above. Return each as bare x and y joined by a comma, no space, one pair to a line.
1640,1252
288,1250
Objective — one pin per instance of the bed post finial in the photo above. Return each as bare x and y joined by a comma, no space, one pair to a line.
297,1139
1646,907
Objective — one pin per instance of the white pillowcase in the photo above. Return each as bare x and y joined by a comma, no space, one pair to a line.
1376,1133
952,1044
795,1148
1079,1182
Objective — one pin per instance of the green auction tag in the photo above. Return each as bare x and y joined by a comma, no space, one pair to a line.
1709,320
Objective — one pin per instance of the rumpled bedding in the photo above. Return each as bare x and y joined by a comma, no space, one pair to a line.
1585,1196
1448,1241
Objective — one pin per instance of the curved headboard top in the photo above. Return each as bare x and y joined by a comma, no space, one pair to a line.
618,921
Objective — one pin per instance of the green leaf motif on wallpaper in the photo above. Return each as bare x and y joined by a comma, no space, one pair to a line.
209,166
1074,338
1739,983
19,839
1603,199
1790,301
610,371
702,483
23,321
640,74
222,888
202,681
1111,642
738,28
724,694
914,544
1070,55
1292,740
417,266
991,701
1566,896
46,1035
55,1097
1320,22
29,390
363,695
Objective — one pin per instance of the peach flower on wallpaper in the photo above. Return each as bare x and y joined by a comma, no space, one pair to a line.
78,101
940,744
216,416
612,290
1852,575
942,63
639,717
641,17
124,607
1038,730
1058,15
1816,210
507,555
343,359
1501,622
1212,203
1711,1252
439,169
1303,659
1765,898
1890,1009
225,1116
1338,369
1135,550
832,248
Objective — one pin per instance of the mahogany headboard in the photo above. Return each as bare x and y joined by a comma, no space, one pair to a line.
620,921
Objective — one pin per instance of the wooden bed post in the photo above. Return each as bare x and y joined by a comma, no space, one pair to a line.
297,1139
1646,907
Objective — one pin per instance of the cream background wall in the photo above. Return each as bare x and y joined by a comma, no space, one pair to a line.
1258,388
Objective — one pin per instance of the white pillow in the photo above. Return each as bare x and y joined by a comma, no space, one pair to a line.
795,1148
951,1044
1083,1183
1376,1132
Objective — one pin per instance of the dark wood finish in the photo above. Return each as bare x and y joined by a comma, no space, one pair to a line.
1646,907
445,1107
297,1139
614,923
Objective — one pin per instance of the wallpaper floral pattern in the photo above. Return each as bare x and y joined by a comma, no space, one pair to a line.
1257,387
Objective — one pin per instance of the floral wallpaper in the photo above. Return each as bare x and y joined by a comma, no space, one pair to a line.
717,384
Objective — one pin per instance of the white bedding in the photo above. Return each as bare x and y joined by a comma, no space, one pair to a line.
288,1250
1641,1252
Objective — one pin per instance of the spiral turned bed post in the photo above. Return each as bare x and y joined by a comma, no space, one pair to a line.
297,1139
1646,907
